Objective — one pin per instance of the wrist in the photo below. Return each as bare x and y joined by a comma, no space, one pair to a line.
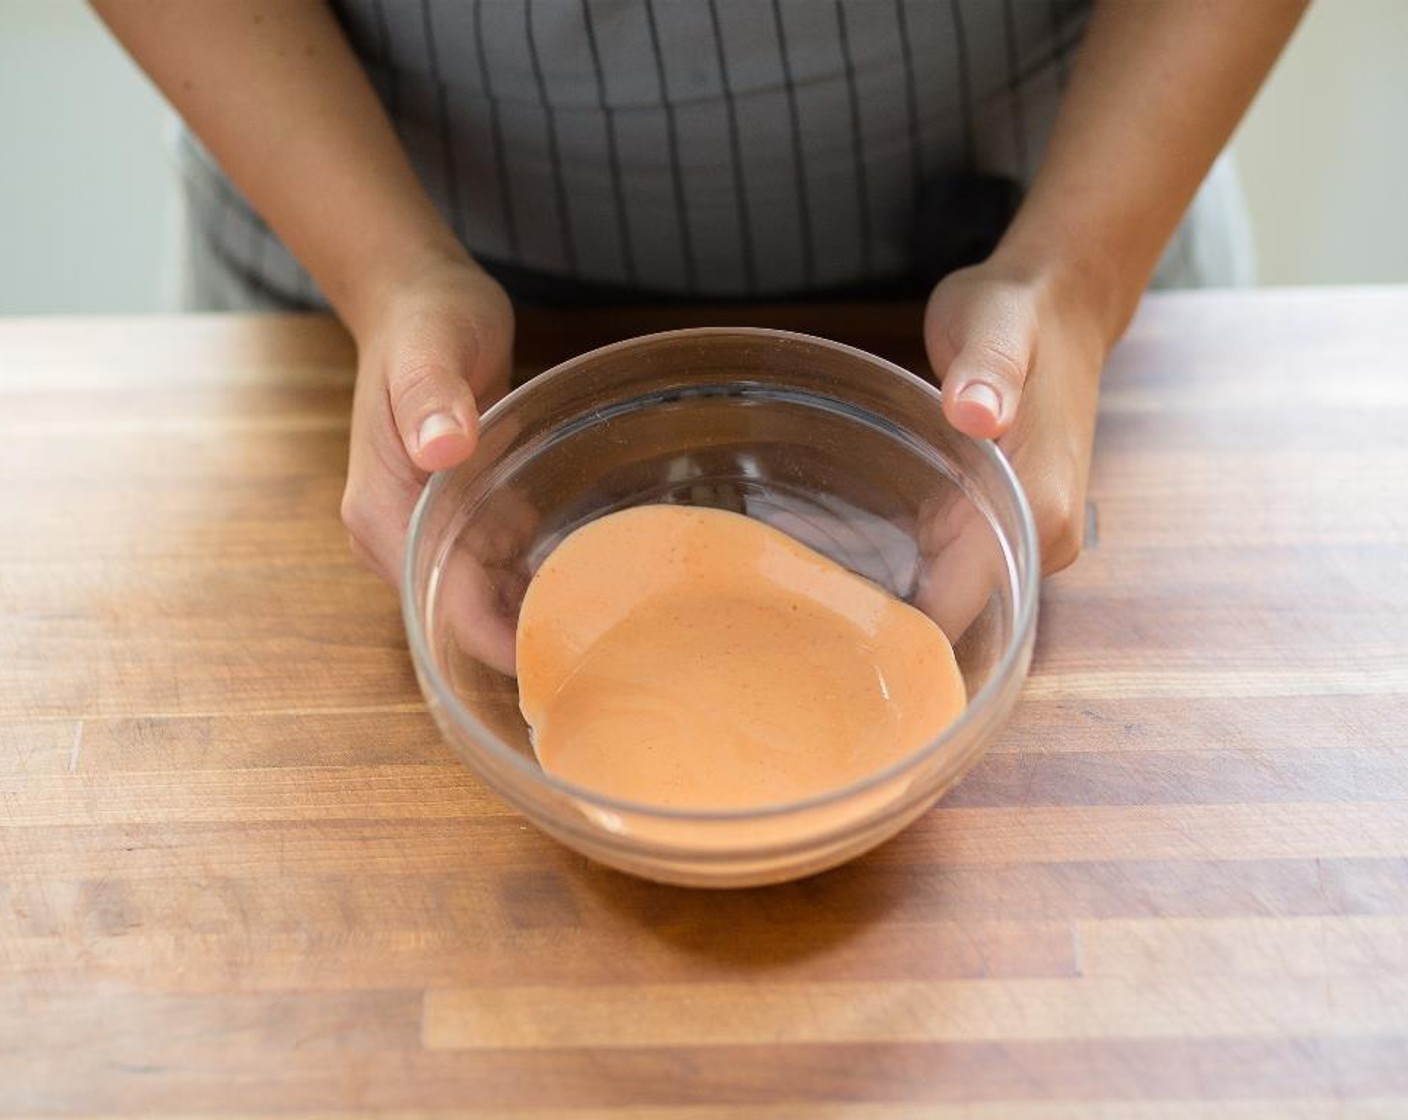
1088,281
369,291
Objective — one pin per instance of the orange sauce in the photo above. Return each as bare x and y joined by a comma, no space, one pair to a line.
692,658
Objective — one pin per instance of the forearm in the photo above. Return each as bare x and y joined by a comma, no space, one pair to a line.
274,91
1158,87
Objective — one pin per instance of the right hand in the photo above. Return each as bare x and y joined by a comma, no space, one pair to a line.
436,350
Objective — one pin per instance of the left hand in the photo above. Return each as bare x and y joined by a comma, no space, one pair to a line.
1018,355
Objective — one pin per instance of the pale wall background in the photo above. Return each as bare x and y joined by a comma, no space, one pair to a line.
87,210
86,195
1324,151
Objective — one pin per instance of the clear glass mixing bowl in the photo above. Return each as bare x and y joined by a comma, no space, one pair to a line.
848,453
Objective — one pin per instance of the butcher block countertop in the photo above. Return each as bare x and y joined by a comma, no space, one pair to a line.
240,875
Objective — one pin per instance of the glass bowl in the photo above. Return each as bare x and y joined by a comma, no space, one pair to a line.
846,452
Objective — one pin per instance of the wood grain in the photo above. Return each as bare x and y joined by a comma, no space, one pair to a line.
1325,1108
989,1010
240,875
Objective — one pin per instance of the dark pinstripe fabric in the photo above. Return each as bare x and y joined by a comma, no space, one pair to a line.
384,57
1014,86
509,221
911,98
858,153
740,185
672,147
1058,41
613,155
697,147
564,214
803,201
963,77
442,121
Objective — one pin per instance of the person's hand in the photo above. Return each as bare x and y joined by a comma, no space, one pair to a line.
482,583
1018,356
436,350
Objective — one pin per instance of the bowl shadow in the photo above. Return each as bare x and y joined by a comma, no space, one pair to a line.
742,931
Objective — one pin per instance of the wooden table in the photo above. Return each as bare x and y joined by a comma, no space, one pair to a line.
239,873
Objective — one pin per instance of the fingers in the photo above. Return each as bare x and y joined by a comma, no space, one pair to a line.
961,565
363,555
1060,516
982,351
485,578
382,485
427,363
474,606
980,329
481,584
416,408
434,409
376,510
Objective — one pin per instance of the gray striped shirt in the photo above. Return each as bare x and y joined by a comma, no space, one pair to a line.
709,148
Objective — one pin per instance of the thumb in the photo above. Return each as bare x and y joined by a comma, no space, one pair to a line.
435,410
982,382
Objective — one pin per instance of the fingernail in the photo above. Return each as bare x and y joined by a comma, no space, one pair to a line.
983,395
434,426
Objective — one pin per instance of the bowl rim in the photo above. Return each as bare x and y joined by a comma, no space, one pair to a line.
978,708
